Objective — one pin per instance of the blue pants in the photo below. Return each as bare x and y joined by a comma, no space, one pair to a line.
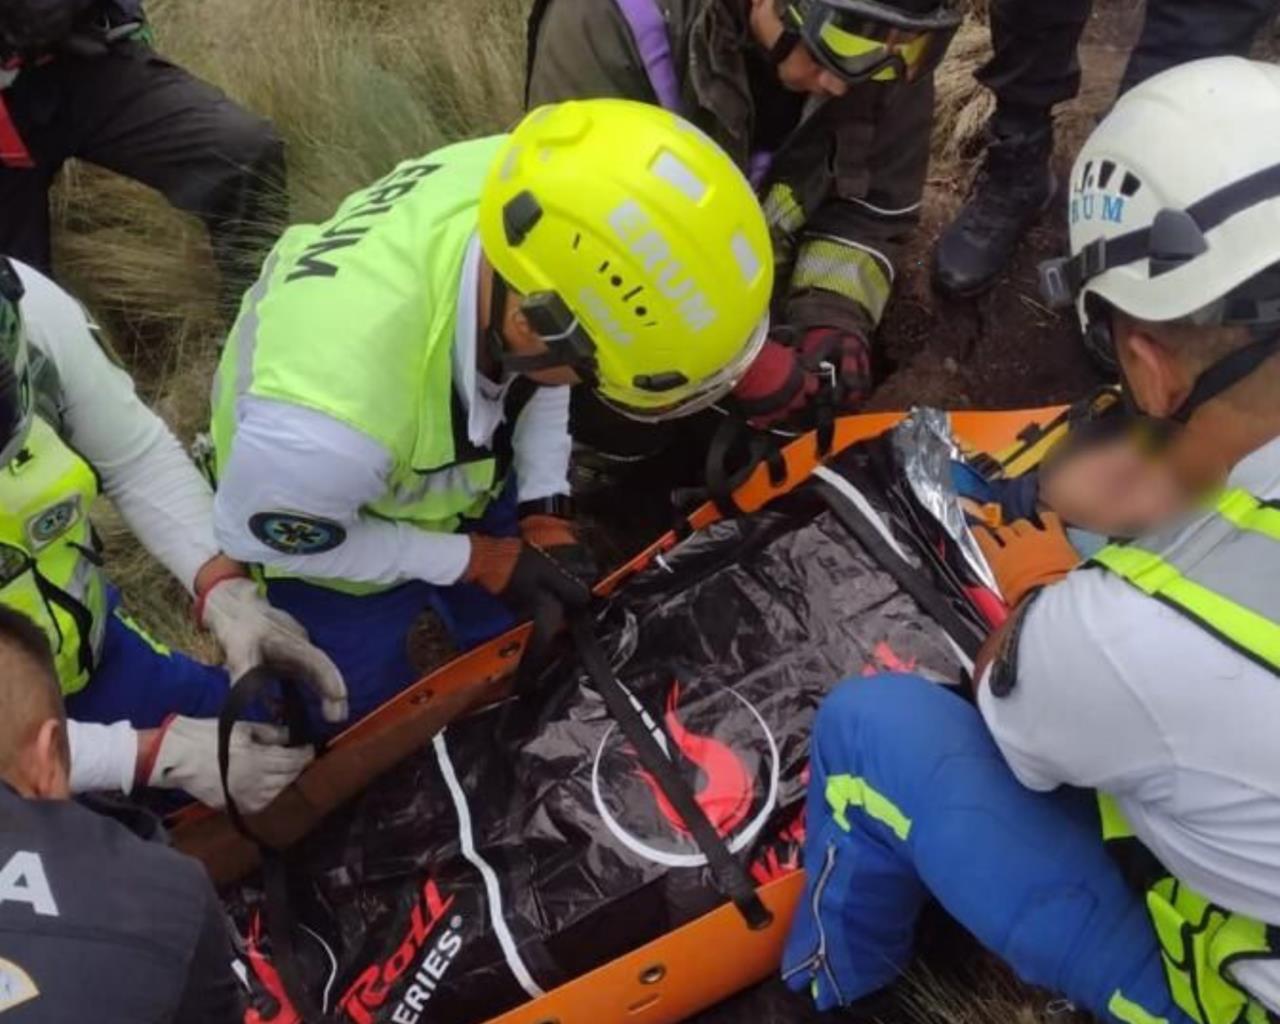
142,682
366,636
909,797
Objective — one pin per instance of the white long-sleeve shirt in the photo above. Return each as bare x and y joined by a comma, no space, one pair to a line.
291,459
164,499
161,495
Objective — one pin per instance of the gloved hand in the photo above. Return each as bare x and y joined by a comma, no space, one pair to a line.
522,574
1025,555
252,633
786,381
184,755
557,537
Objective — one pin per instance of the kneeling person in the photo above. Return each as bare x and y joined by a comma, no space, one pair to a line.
72,428
1108,818
395,367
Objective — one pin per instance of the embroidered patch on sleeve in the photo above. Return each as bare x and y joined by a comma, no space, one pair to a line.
293,534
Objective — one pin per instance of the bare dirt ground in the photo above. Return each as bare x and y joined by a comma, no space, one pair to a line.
1004,350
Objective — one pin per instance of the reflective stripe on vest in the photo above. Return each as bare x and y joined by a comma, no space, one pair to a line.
48,567
1215,573
1199,941
355,318
1221,573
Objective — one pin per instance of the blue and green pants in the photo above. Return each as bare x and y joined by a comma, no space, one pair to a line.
909,799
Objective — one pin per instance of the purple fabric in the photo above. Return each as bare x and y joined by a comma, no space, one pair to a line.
649,29
758,168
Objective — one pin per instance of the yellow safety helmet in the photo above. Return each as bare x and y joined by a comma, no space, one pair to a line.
640,249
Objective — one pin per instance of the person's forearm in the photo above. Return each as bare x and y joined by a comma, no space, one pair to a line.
542,445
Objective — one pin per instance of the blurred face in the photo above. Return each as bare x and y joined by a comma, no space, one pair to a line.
523,340
1113,487
801,71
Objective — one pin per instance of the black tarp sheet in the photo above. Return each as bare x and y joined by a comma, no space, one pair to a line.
527,846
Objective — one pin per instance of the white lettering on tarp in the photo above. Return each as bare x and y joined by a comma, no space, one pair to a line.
433,967
22,880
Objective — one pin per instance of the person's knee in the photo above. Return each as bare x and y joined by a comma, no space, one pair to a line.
891,704
250,143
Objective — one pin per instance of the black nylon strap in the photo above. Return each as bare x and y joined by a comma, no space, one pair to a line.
1226,372
904,574
730,876
783,46
761,447
278,913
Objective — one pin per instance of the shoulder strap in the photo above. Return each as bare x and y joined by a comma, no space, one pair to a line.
649,30
1218,574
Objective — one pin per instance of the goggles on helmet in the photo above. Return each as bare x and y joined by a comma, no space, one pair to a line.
865,40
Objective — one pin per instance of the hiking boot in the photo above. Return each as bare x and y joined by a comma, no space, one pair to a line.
1013,188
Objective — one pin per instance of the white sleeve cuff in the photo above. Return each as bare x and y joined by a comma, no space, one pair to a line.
104,758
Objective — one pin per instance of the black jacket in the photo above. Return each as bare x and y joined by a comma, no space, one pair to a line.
98,924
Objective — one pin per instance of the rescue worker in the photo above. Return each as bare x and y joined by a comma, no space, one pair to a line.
96,922
828,106
80,79
1108,818
72,428
390,416
1033,69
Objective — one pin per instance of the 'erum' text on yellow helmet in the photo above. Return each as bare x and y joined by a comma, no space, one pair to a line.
640,250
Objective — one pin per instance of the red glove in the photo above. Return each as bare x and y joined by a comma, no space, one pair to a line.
787,383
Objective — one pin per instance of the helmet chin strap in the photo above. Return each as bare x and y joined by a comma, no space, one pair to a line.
567,344
1227,372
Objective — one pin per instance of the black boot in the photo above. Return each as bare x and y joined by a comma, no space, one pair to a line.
1013,188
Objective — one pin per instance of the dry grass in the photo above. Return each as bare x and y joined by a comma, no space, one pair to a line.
354,86
963,105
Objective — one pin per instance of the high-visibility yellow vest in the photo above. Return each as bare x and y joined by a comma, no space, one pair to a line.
49,562
356,317
1223,574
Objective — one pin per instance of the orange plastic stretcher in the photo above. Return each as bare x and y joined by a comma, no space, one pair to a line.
671,977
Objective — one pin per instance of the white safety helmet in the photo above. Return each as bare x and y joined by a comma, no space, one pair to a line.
1175,203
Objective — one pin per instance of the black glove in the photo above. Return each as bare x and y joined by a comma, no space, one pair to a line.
557,536
540,575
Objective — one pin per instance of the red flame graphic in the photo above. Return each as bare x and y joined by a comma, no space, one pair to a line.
887,660
269,979
727,788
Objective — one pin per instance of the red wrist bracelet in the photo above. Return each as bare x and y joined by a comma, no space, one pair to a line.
147,763
228,573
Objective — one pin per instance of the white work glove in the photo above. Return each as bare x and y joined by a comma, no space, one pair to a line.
253,633
185,757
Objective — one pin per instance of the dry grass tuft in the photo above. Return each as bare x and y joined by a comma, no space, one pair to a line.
963,105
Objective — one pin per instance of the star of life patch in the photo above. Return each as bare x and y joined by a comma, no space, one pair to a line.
293,534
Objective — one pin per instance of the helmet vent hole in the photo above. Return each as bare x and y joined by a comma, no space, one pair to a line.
1130,185
616,281
641,311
